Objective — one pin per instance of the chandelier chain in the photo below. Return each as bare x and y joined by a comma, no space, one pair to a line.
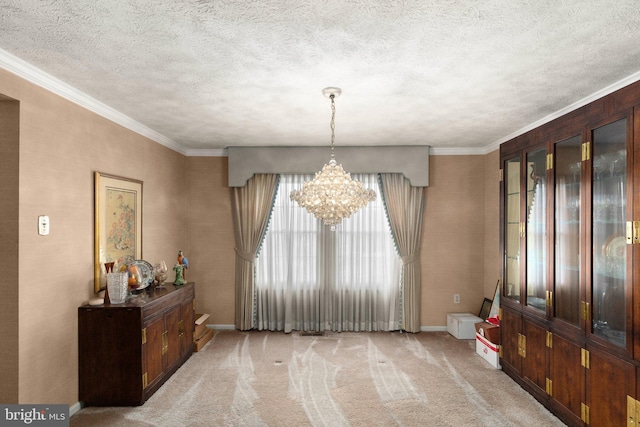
333,126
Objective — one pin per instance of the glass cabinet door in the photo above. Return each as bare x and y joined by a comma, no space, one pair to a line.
536,229
568,173
512,229
609,249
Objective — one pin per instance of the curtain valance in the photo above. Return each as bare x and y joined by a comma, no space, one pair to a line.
410,160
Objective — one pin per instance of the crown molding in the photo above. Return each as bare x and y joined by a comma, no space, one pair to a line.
457,151
434,151
34,75
569,108
209,152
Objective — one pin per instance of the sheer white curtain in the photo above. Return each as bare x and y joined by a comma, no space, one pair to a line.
310,278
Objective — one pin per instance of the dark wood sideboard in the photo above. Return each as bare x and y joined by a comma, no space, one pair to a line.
127,351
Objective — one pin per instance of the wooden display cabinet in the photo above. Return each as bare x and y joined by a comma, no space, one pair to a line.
570,229
127,351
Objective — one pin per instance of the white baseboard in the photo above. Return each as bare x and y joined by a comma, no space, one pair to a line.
74,409
433,328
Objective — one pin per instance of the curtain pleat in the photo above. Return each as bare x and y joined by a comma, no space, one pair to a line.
251,206
405,206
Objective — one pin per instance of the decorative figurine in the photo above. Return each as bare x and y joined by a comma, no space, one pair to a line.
179,270
184,262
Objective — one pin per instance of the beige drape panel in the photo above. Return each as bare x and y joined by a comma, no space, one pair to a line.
405,206
251,206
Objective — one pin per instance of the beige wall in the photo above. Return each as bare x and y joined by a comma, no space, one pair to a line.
456,256
61,145
491,223
453,241
186,203
211,239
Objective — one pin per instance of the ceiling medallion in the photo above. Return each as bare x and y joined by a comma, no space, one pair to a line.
332,194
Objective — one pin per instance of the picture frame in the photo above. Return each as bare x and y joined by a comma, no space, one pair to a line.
495,304
485,309
117,222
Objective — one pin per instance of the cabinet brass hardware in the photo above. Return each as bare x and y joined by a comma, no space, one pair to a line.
631,410
165,342
523,229
549,161
549,387
586,151
584,358
549,340
500,313
522,345
144,381
635,232
501,174
546,299
549,298
144,336
584,413
500,352
181,329
586,315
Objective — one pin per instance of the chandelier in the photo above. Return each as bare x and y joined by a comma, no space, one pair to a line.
332,195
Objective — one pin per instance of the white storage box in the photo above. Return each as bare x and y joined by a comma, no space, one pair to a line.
462,325
488,350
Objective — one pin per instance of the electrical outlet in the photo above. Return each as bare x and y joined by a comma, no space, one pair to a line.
456,298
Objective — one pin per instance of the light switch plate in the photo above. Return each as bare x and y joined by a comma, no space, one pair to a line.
43,225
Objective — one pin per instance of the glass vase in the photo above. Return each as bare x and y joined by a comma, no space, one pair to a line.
117,285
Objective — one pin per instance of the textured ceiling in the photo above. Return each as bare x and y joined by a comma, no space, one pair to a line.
208,74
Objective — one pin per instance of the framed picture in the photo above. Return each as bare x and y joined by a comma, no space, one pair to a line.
117,224
495,304
485,309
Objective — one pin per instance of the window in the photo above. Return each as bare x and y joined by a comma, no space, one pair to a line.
310,278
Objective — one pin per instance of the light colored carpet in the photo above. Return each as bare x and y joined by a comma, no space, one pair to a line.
340,379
